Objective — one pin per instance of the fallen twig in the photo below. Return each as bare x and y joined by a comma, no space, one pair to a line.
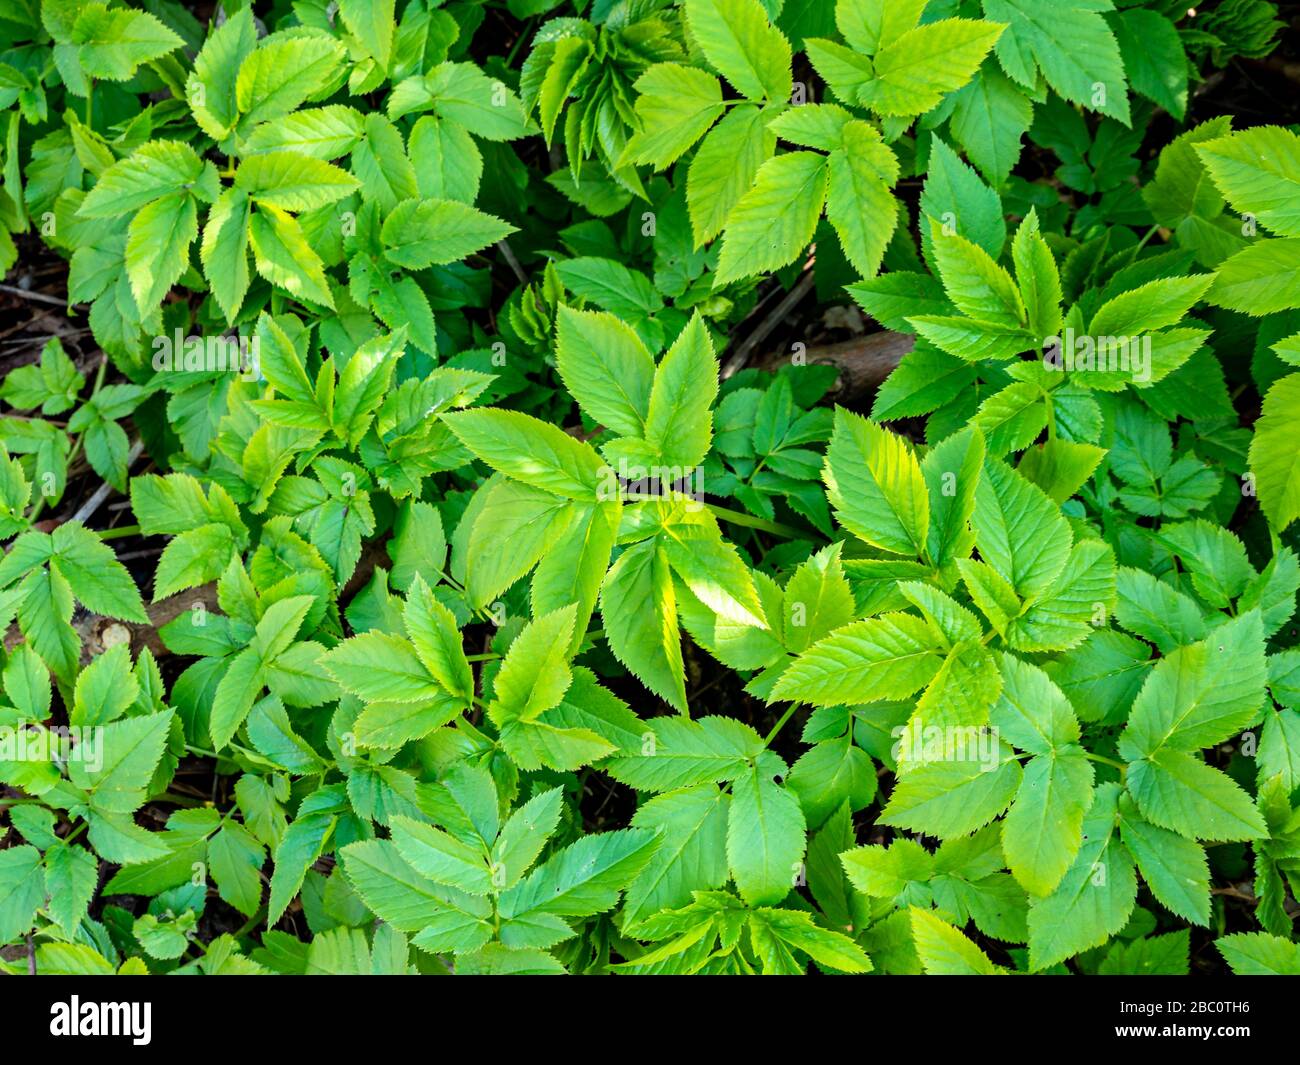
764,329
83,512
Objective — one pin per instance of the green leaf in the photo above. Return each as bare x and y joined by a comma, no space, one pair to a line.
765,834
1094,899
158,247
320,132
525,834
462,93
746,49
1260,954
530,450
1038,279
874,484
952,471
679,423
774,932
639,608
292,181
1258,172
680,753
724,168
583,878
22,890
953,797
1043,829
891,657
1154,59
975,283
1174,868
692,853
381,164
283,72
1175,790
1194,699
914,72
283,256
422,233
224,250
114,43
859,202
515,528
1151,306
411,902
535,674
236,859
1073,46
990,116
94,574
1018,530
437,641
715,573
1260,279
818,600
216,69
373,25
956,199
119,780
441,857
1274,460
606,368
829,774
869,25
381,668
774,221
71,877
943,950
676,106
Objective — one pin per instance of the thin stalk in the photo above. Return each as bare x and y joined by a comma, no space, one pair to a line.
119,532
252,922
789,713
737,517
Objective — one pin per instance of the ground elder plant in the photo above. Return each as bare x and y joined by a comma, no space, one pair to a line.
649,487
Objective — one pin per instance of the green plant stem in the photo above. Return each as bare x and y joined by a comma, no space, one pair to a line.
119,532
737,517
176,799
524,34
258,917
203,752
1121,766
789,713
1146,237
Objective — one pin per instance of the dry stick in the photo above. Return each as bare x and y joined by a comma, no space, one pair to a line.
513,261
774,317
83,512
39,297
863,362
